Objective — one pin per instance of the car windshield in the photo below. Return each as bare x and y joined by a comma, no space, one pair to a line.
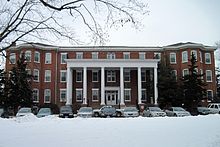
130,109
65,109
85,109
178,109
25,110
44,110
203,109
154,109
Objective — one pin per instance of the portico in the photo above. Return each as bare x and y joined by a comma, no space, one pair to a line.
109,95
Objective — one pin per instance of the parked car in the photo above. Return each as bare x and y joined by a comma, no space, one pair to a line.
105,111
130,112
66,112
203,111
177,111
153,112
24,111
44,112
214,106
85,112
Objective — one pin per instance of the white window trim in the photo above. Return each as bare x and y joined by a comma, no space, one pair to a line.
209,57
62,71
195,54
61,55
111,55
37,95
38,53
157,53
211,93
126,53
142,54
111,75
37,75
95,54
127,71
45,77
93,89
200,56
93,71
183,61
79,54
27,52
127,89
79,71
81,90
207,74
144,89
14,56
174,57
46,60
186,69
145,77
45,96
61,90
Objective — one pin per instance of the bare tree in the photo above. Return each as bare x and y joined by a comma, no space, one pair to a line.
28,20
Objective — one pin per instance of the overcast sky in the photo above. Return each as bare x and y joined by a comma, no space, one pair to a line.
173,21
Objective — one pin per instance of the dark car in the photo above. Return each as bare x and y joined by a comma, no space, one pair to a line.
66,112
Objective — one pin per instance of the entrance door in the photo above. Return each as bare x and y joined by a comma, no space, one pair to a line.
111,97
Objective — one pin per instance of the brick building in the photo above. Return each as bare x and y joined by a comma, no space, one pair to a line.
112,75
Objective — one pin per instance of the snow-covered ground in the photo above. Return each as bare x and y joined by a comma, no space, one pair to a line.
197,131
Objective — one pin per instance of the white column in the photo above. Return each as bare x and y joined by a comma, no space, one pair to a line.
102,86
69,86
122,86
139,85
155,86
84,85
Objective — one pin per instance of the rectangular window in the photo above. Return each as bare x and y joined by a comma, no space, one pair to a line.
141,55
79,95
28,56
143,76
47,77
12,58
200,55
37,57
35,95
95,55
95,95
79,55
47,95
208,76
201,72
207,58
126,55
63,58
78,76
184,57
127,76
174,74
36,75
143,95
194,52
62,95
95,76
48,58
63,76
157,55
127,95
185,72
209,94
110,55
111,76
29,72
173,58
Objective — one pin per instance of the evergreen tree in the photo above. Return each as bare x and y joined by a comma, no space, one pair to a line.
2,81
193,86
18,86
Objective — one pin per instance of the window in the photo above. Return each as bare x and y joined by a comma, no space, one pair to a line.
95,95
201,72
95,55
35,95
48,58
200,55
207,58
127,94
47,76
63,76
143,95
79,95
28,56
173,58
29,72
47,95
208,76
110,55
78,76
127,76
111,76
142,55
36,75
143,76
63,58
209,94
194,52
126,55
12,58
184,57
185,72
95,76
174,74
62,95
79,55
37,57
157,55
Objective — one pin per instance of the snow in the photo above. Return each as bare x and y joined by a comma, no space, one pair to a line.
51,131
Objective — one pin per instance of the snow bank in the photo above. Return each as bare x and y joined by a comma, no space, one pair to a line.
199,131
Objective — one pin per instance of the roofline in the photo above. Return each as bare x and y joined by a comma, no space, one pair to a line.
194,45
